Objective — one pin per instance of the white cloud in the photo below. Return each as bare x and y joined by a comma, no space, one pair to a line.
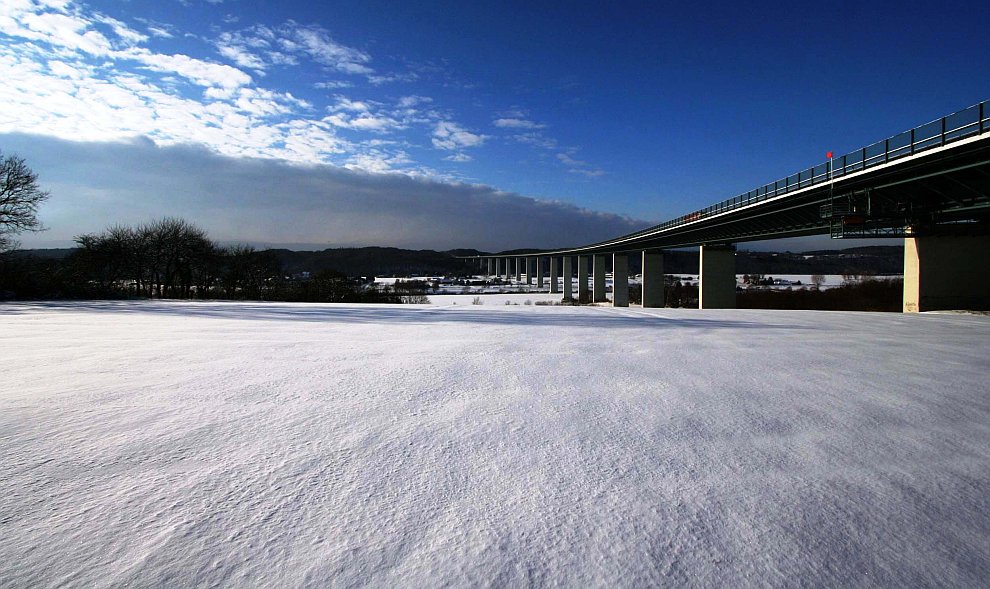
588,173
569,161
451,136
459,158
160,32
379,80
239,54
344,103
362,122
514,123
198,71
536,140
411,101
315,41
89,103
60,30
377,162
127,34
579,167
333,85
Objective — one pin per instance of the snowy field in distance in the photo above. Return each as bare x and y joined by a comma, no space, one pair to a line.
251,444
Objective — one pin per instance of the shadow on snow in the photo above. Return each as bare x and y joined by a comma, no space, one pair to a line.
593,317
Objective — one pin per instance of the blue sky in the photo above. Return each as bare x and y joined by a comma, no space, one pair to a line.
455,124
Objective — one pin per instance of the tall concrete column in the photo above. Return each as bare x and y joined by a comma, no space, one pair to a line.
598,278
507,268
620,280
490,267
653,278
554,274
943,272
540,268
530,269
717,277
584,293
566,277
519,267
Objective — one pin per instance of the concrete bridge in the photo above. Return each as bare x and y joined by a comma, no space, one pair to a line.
929,186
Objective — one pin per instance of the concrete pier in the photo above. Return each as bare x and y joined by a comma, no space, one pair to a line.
944,273
653,278
554,274
530,269
584,293
568,273
598,279
489,267
717,277
519,267
540,269
620,280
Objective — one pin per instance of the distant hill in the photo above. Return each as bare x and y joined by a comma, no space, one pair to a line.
375,261
46,254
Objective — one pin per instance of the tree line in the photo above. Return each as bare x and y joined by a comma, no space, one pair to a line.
173,259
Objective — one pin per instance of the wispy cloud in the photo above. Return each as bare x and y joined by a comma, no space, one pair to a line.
450,136
576,166
536,140
512,123
315,41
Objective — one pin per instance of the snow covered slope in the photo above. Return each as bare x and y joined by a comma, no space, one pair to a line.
248,444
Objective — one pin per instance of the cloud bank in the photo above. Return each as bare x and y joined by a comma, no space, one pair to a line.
275,203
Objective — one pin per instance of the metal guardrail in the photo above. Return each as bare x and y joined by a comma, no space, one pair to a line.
974,120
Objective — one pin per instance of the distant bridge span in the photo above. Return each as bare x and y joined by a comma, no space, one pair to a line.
929,185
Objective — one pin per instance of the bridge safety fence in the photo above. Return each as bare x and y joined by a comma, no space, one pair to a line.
974,120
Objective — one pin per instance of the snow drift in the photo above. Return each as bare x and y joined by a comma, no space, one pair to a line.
185,444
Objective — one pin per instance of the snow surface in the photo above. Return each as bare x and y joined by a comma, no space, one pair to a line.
252,444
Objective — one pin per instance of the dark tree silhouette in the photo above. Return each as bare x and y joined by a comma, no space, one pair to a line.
20,196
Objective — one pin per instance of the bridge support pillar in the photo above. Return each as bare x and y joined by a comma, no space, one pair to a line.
653,278
489,266
584,293
530,269
598,279
568,273
717,277
519,266
620,280
540,269
942,272
554,274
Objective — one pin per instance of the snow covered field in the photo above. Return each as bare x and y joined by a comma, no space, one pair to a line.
249,444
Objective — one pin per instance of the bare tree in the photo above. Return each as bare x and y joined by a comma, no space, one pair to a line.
20,196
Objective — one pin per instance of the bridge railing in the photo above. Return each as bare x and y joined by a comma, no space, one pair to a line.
974,120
